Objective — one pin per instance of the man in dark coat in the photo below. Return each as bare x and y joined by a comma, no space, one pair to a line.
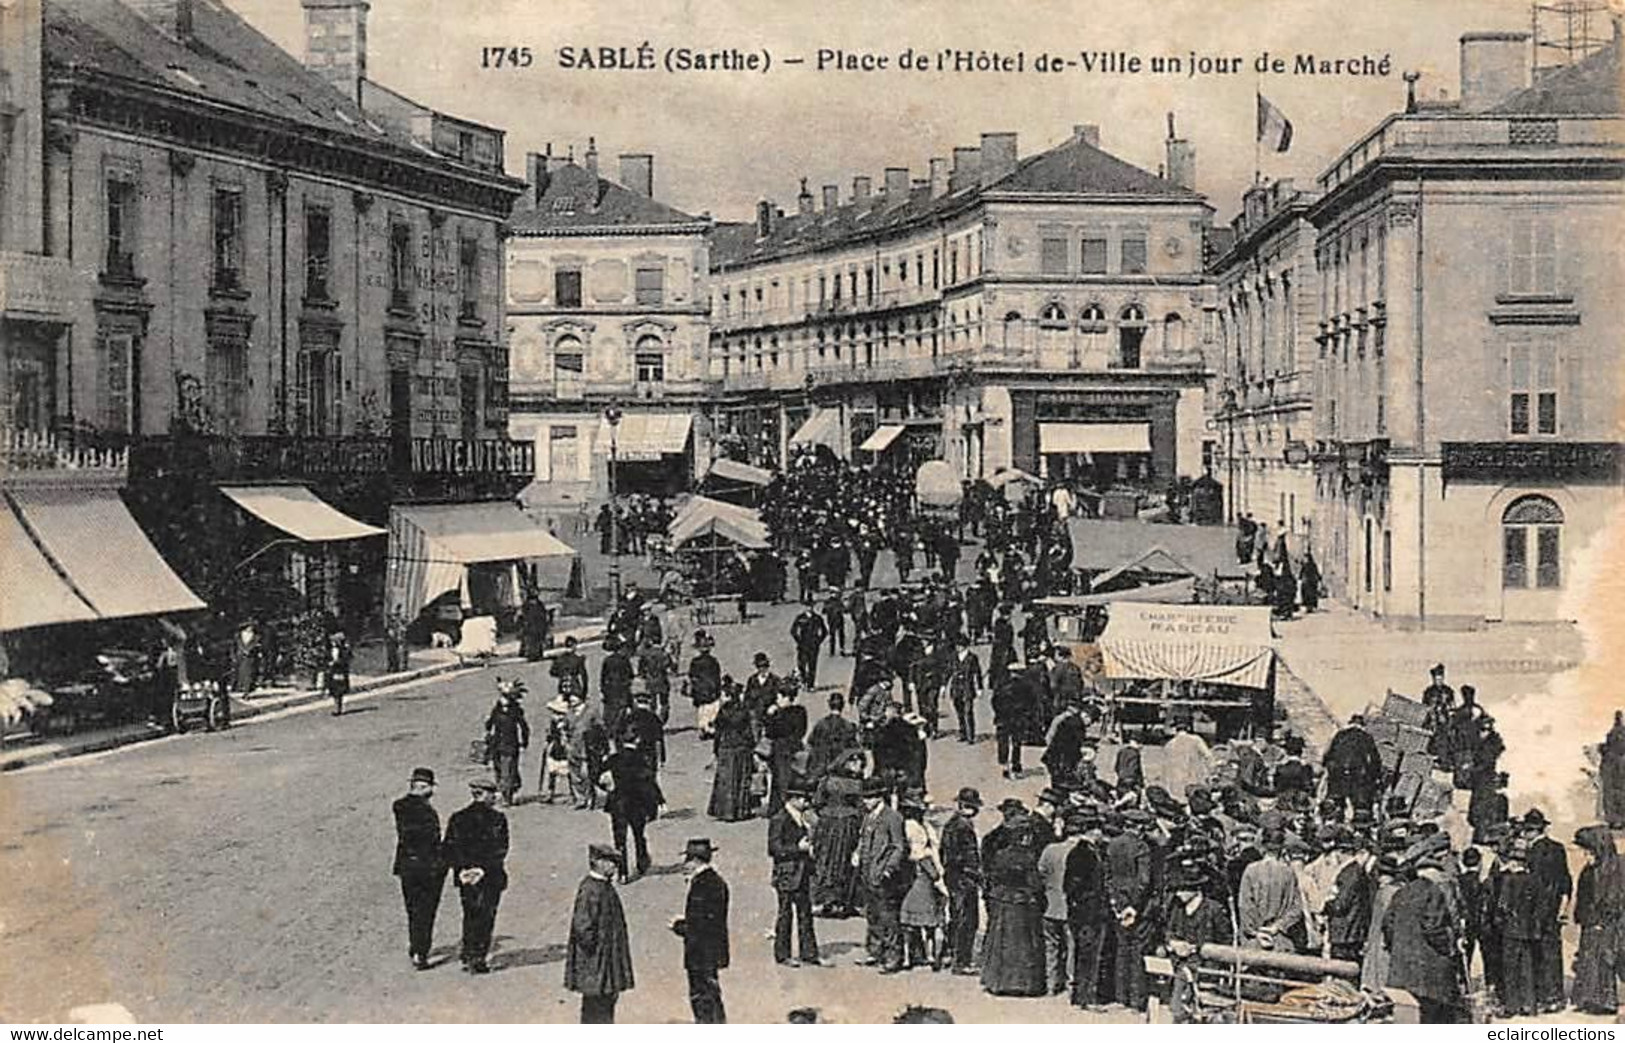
534,622
835,623
507,734
964,688
1015,699
1420,935
704,930
808,631
642,720
634,801
886,874
704,684
785,728
1065,678
654,670
476,849
1354,770
570,670
1087,908
419,864
962,873
789,845
598,960
761,688
1348,907
1549,866
1129,894
615,683
1063,749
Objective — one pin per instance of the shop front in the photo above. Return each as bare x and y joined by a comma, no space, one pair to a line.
651,453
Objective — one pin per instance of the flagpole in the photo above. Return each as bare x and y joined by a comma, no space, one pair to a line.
1258,139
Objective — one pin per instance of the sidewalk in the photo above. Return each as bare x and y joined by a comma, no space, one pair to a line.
23,750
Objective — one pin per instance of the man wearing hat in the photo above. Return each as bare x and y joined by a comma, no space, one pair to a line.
1084,884
1052,871
704,930
634,801
808,631
1419,930
1348,905
598,959
615,678
705,683
476,849
507,734
962,873
789,844
570,671
1549,867
761,688
1191,919
419,864
1354,771
886,875
964,688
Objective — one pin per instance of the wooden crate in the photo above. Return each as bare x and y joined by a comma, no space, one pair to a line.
1416,764
1404,710
1410,739
1409,787
1383,730
1390,757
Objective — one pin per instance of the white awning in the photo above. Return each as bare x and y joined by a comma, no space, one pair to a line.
646,436
431,547
1223,643
884,436
299,512
822,428
1094,438
734,471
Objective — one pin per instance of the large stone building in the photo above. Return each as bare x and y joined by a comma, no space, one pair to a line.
250,272
1045,313
607,309
1467,372
1264,361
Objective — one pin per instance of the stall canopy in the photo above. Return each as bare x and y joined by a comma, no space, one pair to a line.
647,436
936,485
1179,591
882,439
734,471
31,593
89,537
703,516
1223,644
1103,544
1094,438
430,548
822,428
298,512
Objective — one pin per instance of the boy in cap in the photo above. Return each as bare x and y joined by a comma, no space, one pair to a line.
476,849
556,751
704,930
598,961
419,864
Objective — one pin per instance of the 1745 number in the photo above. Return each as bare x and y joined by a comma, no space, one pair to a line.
506,58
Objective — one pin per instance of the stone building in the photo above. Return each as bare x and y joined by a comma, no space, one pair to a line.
1467,396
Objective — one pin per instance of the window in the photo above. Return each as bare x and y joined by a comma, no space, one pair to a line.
318,393
1092,316
650,288
1130,337
823,287
1532,387
1133,254
121,231
318,253
468,278
228,238
567,288
1052,315
936,268
650,360
568,365
118,368
1094,255
563,459
226,371
852,277
869,284
1534,519
919,269
1012,331
1052,256
953,264
1533,256
1173,334
400,265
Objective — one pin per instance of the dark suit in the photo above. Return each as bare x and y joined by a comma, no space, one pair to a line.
704,929
885,871
422,871
477,838
962,872
1549,865
792,881
1088,919
1423,958
633,802
964,686
1348,911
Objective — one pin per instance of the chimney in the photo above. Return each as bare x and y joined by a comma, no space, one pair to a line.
998,157
1088,133
335,41
591,159
804,200
1181,159
638,173
765,214
536,164
832,197
896,185
966,162
939,177
1494,65
860,187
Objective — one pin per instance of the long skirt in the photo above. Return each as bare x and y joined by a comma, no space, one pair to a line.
1517,992
922,906
730,789
1013,950
835,879
1597,969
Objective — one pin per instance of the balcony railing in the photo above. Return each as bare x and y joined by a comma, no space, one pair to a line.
23,450
35,286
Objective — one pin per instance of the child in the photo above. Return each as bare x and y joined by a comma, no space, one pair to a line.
556,750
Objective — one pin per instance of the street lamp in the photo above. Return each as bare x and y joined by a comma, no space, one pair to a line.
612,416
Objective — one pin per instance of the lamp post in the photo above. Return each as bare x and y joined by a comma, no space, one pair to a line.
612,416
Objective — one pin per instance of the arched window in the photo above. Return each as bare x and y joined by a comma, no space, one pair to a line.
1012,331
1092,318
1130,337
1052,315
650,359
569,362
1533,520
1173,334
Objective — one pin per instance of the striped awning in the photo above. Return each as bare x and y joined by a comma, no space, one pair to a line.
1094,438
1223,644
822,428
297,511
430,548
883,437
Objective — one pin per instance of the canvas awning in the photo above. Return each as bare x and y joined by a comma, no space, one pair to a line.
1094,438
31,592
703,516
883,437
1226,644
734,471
647,436
298,512
430,548
822,428
1176,591
90,537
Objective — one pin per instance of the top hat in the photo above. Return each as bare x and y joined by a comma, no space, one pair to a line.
423,775
699,850
969,797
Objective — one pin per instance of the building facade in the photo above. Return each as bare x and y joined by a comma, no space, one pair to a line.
1045,313
608,308
1264,362
1467,379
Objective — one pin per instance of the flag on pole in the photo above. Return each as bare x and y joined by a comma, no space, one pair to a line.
1274,129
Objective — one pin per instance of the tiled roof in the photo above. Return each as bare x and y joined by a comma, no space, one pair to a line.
577,199
225,62
1072,168
1588,87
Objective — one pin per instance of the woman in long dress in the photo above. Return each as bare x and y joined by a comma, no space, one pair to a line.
835,837
1611,774
735,743
1013,951
1599,910
923,904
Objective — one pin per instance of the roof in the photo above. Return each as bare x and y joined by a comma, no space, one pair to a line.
224,62
1103,544
1588,87
1070,169
576,200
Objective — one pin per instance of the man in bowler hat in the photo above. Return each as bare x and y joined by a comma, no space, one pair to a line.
598,962
704,930
419,864
789,844
476,849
